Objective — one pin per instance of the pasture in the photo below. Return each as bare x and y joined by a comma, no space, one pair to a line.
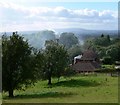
77,89
0,98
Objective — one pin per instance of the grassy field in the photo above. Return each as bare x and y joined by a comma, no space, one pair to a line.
0,98
77,89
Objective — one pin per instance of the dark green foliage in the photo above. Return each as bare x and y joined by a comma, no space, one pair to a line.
115,40
69,72
88,43
17,64
108,38
56,58
39,63
113,51
102,41
101,51
107,60
68,40
106,46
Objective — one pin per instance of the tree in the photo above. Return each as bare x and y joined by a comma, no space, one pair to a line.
68,40
88,43
107,60
17,63
39,63
56,60
113,51
102,35
102,41
69,72
108,38
101,51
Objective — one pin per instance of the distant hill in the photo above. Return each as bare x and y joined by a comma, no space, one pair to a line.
78,31
85,33
81,31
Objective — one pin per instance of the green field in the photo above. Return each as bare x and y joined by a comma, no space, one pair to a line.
77,89
0,98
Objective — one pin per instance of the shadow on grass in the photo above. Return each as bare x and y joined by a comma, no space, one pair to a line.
76,83
42,95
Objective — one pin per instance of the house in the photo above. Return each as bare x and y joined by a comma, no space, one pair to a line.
87,62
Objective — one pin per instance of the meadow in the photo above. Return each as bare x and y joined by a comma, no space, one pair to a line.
0,98
77,89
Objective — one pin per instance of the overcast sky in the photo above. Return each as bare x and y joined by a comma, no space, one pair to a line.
31,15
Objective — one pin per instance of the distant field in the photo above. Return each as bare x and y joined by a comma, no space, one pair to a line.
77,89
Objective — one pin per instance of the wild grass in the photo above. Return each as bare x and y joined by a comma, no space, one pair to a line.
77,89
108,66
0,98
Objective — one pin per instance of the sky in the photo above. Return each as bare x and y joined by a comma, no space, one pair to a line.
29,15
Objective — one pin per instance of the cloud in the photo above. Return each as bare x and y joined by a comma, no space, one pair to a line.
20,15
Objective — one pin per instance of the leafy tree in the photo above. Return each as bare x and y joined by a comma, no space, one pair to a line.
88,43
39,63
17,64
56,60
102,41
69,72
115,40
113,51
108,38
100,44
107,60
68,39
101,51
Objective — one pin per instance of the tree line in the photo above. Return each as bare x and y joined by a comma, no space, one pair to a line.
107,48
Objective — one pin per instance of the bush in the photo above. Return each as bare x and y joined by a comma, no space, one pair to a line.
69,72
107,60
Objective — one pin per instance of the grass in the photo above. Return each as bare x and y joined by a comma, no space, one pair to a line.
108,66
0,98
77,89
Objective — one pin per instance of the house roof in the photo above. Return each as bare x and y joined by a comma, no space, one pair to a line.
85,66
89,55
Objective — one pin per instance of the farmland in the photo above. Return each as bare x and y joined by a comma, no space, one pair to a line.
100,88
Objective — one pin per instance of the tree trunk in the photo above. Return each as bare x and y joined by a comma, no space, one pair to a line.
58,79
49,81
49,77
11,93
